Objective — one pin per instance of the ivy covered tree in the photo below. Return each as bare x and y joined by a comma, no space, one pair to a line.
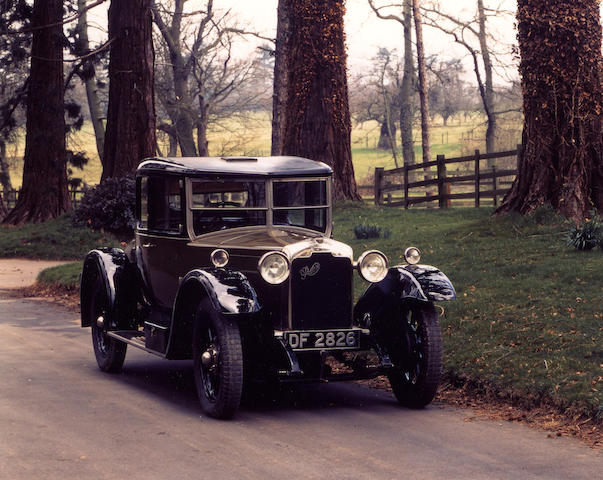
562,163
317,115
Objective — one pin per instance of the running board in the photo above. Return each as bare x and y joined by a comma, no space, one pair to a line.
134,338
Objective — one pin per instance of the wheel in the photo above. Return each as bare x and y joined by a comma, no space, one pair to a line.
416,354
218,362
110,353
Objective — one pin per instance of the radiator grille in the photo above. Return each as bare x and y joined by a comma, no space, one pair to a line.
321,292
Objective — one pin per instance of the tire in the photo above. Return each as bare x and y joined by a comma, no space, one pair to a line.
219,381
110,353
416,354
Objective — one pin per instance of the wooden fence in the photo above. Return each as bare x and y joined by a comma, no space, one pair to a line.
401,187
10,197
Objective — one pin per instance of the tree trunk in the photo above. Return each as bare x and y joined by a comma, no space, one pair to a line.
89,79
560,67
130,133
279,95
3,209
202,122
44,193
183,120
317,117
422,82
489,86
4,179
4,171
407,91
170,131
179,111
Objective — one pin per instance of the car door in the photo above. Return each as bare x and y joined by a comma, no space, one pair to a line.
161,235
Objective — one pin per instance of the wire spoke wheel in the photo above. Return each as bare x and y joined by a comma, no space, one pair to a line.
416,353
218,362
109,352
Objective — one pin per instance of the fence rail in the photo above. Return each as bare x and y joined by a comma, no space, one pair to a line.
411,191
10,197
477,183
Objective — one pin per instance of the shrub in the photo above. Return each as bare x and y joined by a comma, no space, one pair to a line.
587,235
110,207
370,231
545,215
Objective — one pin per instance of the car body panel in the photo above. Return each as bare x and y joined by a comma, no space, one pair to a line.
422,283
119,279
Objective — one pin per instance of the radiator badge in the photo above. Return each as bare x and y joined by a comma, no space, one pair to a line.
309,271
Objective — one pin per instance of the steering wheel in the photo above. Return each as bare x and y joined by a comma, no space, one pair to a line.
225,204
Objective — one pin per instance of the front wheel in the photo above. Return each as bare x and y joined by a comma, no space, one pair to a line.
109,352
416,354
218,362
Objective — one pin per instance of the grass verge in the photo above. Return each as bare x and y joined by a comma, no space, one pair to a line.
527,324
64,278
55,239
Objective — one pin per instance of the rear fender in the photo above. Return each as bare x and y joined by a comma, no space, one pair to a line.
120,282
403,283
230,293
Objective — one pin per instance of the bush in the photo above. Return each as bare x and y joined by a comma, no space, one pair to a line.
370,231
110,207
587,235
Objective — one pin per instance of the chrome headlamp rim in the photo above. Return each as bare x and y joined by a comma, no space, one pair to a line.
410,257
215,258
281,279
362,258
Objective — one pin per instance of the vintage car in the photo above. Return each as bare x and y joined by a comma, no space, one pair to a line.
233,265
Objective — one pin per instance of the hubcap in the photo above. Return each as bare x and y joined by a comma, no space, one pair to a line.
209,357
210,372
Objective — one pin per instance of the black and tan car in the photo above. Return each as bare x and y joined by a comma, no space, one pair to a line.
233,266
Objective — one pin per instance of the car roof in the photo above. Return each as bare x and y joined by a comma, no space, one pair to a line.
231,166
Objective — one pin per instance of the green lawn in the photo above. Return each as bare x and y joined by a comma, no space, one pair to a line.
529,316
250,135
55,239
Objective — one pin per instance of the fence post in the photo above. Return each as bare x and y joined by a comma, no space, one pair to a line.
519,155
406,187
477,178
494,185
443,200
378,184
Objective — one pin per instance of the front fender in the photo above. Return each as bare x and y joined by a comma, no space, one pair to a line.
404,282
119,280
229,292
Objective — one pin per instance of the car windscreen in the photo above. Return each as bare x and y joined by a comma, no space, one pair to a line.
221,204
301,203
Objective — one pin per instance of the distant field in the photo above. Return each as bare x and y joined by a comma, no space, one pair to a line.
250,135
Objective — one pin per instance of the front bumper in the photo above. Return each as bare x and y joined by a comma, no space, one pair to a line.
332,364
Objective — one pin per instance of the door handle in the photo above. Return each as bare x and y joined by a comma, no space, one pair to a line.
148,245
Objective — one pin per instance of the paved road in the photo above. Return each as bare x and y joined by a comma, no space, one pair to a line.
22,272
61,418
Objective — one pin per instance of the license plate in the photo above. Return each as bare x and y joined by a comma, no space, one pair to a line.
323,339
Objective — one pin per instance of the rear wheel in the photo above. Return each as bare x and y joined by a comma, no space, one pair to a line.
109,352
218,362
416,354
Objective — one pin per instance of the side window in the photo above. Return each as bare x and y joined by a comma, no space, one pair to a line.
142,210
161,204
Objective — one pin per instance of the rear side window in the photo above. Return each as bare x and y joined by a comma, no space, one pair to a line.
160,204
